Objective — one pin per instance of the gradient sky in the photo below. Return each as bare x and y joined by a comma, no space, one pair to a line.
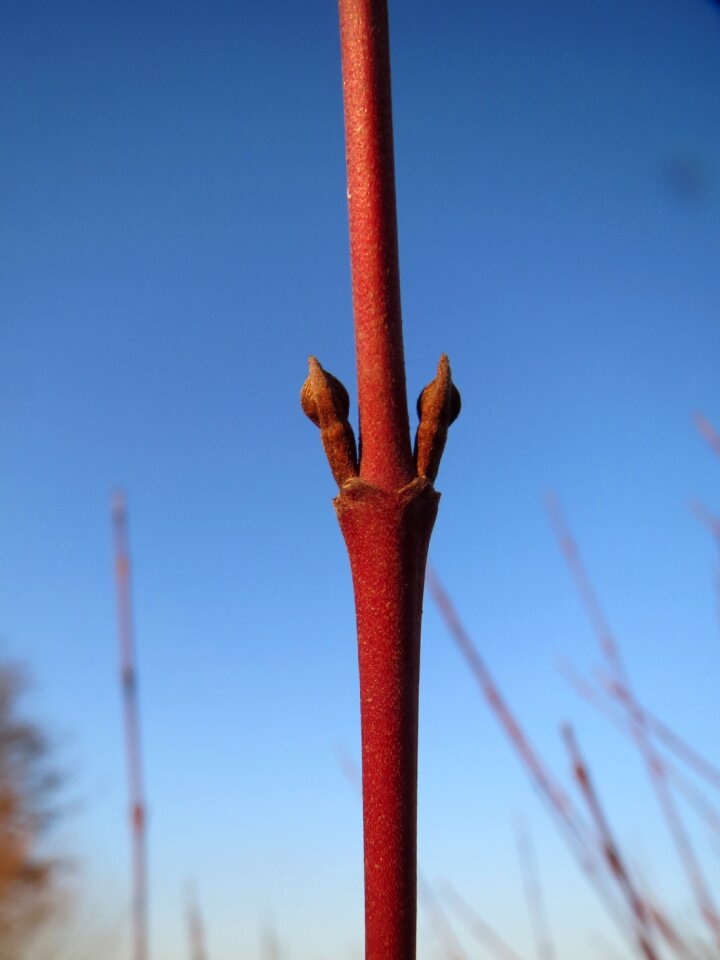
173,244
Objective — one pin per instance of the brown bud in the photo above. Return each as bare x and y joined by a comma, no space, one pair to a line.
326,402
438,405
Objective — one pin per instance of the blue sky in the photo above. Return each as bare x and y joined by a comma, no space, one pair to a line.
173,244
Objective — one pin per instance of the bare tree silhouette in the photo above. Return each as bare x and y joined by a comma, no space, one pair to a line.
28,804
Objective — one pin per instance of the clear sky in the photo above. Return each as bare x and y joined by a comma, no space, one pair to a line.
173,244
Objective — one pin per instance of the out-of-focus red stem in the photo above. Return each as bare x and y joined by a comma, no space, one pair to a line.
708,431
593,696
610,849
483,932
572,827
636,716
128,675
544,943
384,426
671,740
440,922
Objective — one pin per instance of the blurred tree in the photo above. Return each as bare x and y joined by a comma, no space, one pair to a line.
29,883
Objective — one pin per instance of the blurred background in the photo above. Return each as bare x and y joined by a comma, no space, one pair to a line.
173,244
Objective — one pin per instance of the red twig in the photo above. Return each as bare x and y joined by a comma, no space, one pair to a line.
609,847
593,696
128,679
708,519
603,948
712,523
708,432
350,770
544,945
384,427
636,717
571,826
439,921
663,925
386,504
672,741
558,800
436,915
270,944
195,925
483,932
713,439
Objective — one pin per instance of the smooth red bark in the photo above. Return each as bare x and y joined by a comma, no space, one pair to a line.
385,522
387,504
387,536
384,427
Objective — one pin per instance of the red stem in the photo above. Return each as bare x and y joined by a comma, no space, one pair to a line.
387,504
387,537
387,531
544,944
484,933
384,427
610,849
128,679
451,947
636,717
573,829
694,797
708,431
